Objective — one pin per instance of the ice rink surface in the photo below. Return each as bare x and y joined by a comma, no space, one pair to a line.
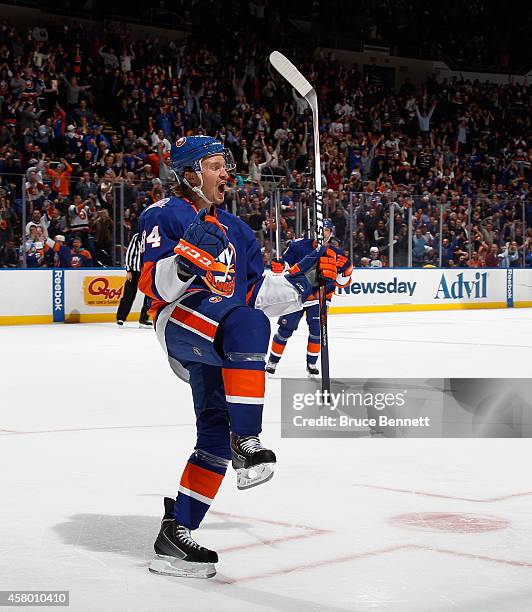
95,430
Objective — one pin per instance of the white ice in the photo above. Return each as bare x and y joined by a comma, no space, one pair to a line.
95,429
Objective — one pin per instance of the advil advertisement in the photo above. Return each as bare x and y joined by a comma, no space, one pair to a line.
103,290
387,290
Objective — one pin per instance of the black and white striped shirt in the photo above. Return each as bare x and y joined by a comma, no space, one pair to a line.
133,254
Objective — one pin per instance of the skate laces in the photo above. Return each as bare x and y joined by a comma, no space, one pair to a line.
250,444
183,535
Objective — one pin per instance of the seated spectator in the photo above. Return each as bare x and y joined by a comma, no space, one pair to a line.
9,257
375,258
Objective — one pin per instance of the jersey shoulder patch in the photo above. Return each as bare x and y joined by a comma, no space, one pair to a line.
159,203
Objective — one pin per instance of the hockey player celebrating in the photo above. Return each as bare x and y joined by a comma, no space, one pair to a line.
203,270
296,250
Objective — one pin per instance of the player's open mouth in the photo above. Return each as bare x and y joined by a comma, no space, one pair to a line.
221,188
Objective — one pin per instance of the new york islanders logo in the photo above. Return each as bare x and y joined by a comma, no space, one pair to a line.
180,141
223,282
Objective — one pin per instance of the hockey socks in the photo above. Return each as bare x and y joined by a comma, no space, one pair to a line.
199,484
277,348
313,349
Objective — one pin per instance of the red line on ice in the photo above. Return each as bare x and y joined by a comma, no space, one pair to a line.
106,427
310,532
300,536
314,564
441,496
268,521
473,556
375,553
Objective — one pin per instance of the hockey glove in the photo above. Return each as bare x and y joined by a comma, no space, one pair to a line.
328,268
278,266
202,243
345,269
344,266
305,275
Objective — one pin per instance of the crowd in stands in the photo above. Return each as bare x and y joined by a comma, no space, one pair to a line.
88,115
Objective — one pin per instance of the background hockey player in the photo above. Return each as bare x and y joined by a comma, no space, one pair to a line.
203,270
296,250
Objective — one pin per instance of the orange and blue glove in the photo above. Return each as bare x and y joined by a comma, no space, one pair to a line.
278,266
345,269
202,243
307,274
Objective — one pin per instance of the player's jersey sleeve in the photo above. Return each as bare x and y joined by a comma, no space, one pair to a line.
290,256
271,293
160,230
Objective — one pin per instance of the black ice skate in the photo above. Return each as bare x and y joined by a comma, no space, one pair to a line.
177,554
312,370
253,463
270,367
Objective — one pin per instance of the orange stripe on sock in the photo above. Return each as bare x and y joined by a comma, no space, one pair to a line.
200,480
243,383
313,347
278,348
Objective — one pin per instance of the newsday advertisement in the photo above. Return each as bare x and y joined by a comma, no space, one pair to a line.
433,288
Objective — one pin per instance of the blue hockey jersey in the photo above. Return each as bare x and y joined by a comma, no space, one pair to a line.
161,227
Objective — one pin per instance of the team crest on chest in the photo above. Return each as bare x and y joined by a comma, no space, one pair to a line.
223,282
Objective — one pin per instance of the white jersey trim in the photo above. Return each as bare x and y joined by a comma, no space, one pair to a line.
191,329
167,283
198,314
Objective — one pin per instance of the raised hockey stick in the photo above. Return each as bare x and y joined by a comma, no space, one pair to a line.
287,70
277,225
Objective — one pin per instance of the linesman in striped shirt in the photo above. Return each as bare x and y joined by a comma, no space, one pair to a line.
130,287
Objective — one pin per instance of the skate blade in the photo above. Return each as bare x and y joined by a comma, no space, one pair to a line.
170,566
312,376
252,477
